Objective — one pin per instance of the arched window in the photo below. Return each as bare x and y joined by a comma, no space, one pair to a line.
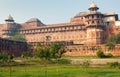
92,16
88,22
92,22
98,22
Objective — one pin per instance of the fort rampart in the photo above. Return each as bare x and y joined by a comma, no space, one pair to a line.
81,50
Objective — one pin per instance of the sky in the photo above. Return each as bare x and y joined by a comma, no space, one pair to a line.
51,11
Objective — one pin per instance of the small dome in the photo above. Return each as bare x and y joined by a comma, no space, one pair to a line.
33,20
81,14
93,5
9,18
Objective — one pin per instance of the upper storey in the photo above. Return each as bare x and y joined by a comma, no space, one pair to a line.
106,18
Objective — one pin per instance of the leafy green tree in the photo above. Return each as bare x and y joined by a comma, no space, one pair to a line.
61,51
42,52
57,50
54,49
18,37
46,52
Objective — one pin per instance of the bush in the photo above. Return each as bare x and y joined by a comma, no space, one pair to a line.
100,54
61,61
109,55
4,56
114,65
86,64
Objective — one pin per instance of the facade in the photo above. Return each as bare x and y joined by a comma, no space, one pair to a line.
85,28
92,27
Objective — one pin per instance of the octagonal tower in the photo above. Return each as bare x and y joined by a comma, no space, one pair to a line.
94,25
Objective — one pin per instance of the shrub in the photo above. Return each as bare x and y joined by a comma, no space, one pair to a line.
64,61
86,63
61,61
114,65
4,56
109,55
100,54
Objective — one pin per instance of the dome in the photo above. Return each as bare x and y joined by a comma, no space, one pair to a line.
36,20
33,20
9,18
81,14
93,5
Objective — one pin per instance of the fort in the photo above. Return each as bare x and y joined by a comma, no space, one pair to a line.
83,35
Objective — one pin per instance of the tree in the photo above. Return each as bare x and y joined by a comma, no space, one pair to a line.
112,41
57,50
118,38
18,37
110,45
4,56
61,51
42,52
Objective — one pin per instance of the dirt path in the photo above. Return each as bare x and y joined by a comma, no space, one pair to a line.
94,61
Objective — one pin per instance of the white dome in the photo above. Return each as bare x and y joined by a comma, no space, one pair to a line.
9,18
93,5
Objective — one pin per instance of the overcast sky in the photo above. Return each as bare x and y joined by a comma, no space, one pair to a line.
51,11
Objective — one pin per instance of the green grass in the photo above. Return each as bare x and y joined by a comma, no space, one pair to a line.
57,70
33,67
63,71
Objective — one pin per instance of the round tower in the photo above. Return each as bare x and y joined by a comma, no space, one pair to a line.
94,25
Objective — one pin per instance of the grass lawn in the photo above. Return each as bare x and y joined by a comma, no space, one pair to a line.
36,69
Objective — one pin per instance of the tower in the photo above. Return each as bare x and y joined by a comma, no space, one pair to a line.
9,23
9,27
94,25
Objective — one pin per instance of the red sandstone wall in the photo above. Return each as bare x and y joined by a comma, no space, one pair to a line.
90,50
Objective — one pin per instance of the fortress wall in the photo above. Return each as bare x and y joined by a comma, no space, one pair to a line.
90,50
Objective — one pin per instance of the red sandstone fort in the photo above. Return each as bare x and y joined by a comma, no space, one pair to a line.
83,35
